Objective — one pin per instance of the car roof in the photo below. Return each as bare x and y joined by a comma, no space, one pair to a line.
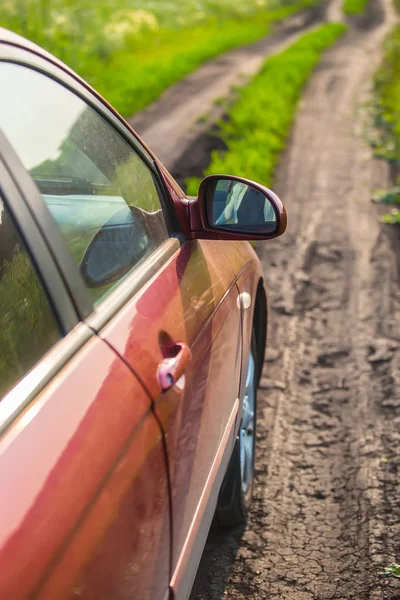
13,39
9,37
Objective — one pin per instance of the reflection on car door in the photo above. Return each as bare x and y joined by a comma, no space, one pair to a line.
85,502
192,300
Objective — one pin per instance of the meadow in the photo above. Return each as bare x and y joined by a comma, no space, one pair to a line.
132,50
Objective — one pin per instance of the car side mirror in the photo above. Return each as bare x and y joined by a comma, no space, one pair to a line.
232,207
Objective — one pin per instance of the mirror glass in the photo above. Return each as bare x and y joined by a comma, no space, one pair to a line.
237,206
115,249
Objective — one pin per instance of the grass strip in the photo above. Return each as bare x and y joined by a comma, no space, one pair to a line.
385,135
135,77
129,67
354,7
259,122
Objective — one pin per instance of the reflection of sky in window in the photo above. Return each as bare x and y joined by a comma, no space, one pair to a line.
36,113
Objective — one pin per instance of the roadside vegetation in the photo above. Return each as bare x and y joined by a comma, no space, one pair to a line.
393,570
131,50
258,124
355,7
385,137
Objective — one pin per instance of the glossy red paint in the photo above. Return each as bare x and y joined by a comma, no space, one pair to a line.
192,301
84,467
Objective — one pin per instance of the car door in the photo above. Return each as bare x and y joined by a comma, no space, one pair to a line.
177,300
85,499
189,304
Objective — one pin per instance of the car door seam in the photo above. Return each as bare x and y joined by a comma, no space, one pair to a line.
213,313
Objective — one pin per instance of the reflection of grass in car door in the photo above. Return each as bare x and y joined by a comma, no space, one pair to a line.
134,182
77,239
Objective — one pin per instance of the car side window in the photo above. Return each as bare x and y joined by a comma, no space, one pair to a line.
99,191
27,326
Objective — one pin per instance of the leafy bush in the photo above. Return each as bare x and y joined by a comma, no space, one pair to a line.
259,122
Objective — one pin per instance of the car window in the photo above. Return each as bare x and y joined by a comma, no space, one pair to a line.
27,326
99,191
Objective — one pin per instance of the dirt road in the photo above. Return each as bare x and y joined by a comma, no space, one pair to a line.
326,514
184,112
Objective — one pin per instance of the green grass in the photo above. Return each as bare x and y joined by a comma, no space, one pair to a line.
393,570
131,50
354,7
259,121
385,138
391,218
386,109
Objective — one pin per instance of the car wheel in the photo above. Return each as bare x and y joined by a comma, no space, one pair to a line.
236,491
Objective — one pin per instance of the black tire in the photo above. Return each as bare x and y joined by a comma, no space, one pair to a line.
233,502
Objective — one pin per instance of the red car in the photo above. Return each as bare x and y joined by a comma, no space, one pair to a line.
132,335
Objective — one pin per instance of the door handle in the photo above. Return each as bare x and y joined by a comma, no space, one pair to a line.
173,366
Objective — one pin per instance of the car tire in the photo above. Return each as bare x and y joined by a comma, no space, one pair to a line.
237,488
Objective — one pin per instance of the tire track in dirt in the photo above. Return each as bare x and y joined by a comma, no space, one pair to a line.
325,518
174,122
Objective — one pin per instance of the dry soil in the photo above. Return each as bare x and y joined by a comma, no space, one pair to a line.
326,513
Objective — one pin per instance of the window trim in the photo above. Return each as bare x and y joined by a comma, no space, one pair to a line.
50,232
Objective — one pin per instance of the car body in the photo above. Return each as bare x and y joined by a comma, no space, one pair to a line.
125,347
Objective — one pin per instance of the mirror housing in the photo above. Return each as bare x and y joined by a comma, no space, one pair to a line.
235,208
